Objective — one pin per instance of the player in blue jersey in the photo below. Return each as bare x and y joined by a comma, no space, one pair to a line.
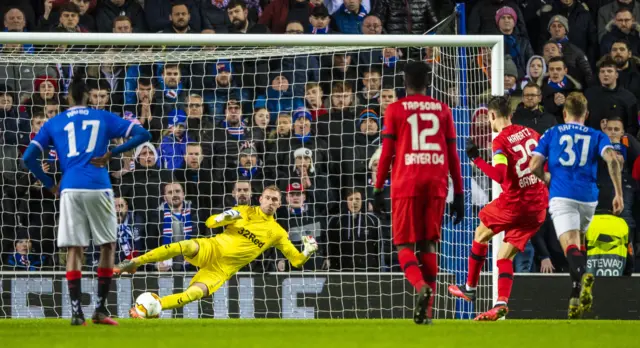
572,151
81,138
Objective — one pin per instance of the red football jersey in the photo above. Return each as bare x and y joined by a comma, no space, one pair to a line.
521,189
420,126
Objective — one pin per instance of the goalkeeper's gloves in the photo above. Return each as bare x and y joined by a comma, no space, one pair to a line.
457,207
378,200
310,246
227,215
472,149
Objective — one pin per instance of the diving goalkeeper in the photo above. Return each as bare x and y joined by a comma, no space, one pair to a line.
249,232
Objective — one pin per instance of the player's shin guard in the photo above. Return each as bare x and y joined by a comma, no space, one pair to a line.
104,284
166,252
577,264
505,280
477,258
193,293
74,279
409,265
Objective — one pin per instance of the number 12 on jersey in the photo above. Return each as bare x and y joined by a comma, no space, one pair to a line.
419,137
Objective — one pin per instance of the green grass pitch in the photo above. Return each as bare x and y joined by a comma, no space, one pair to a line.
274,333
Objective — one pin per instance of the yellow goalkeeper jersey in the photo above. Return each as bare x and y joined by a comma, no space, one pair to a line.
246,238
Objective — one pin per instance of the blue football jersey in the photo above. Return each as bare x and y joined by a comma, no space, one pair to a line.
572,152
78,135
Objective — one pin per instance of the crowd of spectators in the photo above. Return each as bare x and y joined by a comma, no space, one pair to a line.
224,129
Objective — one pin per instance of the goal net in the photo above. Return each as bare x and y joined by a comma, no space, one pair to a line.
231,115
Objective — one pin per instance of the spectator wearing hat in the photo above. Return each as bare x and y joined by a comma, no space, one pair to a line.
24,256
298,219
578,65
303,169
250,168
174,146
622,27
517,47
219,89
556,87
483,16
608,98
608,12
45,92
230,137
583,31
280,96
353,238
319,20
536,68
511,86
359,148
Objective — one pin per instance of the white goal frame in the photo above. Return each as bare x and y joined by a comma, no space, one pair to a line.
494,42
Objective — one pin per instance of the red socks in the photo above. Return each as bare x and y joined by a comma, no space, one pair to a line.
476,260
409,264
505,279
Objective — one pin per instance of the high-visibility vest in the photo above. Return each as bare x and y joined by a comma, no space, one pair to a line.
607,241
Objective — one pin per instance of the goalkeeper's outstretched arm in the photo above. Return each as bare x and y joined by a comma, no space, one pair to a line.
296,258
223,219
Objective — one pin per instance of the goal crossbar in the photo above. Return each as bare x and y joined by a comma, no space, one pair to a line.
495,42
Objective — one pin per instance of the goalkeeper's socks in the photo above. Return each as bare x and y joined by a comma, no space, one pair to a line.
74,279
577,264
104,283
505,279
409,265
476,260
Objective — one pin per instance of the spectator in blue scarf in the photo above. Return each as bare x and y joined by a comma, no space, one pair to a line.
24,256
319,20
348,18
517,47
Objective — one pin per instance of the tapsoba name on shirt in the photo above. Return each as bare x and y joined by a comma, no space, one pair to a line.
414,105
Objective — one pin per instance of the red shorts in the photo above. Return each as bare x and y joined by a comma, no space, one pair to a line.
518,227
414,219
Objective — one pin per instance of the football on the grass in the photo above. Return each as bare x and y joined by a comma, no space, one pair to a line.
148,305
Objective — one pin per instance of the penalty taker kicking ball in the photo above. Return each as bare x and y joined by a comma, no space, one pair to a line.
148,305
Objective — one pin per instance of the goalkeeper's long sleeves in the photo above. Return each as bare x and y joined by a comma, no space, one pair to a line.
212,221
295,257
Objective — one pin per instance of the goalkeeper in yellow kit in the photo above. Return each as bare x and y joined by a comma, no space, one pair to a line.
249,231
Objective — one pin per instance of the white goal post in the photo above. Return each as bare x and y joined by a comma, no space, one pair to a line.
456,58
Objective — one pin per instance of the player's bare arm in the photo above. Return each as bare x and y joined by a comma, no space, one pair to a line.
536,164
610,156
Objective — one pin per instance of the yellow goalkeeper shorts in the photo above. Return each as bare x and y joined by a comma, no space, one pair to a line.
209,274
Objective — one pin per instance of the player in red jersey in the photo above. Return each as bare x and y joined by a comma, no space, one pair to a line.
419,130
519,211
